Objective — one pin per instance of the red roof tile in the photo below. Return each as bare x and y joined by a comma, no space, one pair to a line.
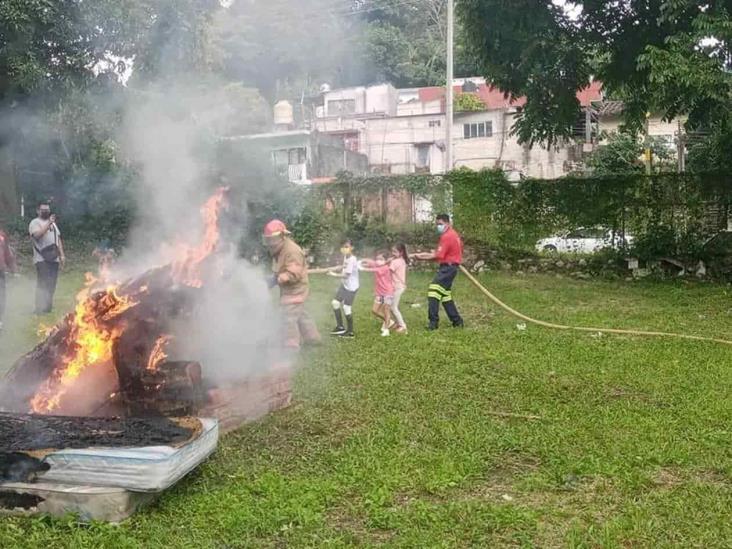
494,98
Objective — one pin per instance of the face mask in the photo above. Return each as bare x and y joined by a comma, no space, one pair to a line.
45,215
441,228
346,251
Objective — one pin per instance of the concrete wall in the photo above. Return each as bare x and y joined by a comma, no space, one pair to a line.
656,126
503,150
396,141
393,143
395,207
381,98
327,161
417,107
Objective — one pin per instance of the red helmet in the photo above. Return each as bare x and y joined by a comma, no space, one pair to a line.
275,228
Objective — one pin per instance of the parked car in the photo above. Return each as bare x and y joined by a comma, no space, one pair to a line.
583,241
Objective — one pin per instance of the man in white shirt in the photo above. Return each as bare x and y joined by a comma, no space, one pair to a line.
48,256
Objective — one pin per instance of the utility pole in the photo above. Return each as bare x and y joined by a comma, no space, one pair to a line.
681,148
647,152
449,90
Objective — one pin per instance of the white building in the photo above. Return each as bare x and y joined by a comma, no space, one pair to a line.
610,118
403,131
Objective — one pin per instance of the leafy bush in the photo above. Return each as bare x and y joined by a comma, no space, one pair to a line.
468,102
668,214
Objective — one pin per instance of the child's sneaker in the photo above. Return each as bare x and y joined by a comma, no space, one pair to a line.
348,335
338,331
401,330
385,332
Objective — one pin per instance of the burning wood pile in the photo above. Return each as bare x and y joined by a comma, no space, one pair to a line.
109,357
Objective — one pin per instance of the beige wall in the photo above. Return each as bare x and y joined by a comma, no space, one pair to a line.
396,141
373,99
656,126
503,150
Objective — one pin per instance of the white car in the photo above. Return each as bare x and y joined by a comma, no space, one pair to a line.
582,241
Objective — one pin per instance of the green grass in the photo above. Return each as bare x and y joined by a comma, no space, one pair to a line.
395,441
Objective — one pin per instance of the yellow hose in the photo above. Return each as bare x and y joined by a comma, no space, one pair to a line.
522,316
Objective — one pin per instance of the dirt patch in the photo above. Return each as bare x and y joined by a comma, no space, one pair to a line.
672,477
622,393
343,520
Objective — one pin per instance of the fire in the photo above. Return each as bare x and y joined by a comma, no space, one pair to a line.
96,322
89,342
158,354
187,269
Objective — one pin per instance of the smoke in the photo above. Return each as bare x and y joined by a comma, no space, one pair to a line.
171,132
171,140
167,129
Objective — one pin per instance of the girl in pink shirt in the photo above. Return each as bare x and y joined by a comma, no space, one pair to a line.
398,266
383,288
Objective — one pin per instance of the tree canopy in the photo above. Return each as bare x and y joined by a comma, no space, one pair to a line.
670,56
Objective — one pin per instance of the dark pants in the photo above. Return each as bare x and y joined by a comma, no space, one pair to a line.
46,277
441,292
2,295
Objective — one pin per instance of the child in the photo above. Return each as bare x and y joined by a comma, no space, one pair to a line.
346,293
398,266
384,290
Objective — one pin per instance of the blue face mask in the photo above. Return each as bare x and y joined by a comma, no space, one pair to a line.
441,228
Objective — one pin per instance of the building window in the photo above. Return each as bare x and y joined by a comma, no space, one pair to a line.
435,124
480,129
297,156
422,161
339,107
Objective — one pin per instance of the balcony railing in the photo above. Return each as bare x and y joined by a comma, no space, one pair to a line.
297,173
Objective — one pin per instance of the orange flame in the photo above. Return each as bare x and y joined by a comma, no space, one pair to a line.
187,270
95,327
158,354
89,342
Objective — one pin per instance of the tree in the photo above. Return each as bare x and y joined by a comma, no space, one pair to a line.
468,102
283,47
670,56
61,101
405,43
622,153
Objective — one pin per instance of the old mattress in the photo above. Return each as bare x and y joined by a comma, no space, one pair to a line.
86,502
144,469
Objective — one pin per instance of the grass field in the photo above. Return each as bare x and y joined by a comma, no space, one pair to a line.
400,441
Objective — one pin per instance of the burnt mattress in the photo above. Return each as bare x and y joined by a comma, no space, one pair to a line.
136,454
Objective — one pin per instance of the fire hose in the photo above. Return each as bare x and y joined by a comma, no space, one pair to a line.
551,325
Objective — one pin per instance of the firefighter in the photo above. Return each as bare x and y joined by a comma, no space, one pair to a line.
290,273
449,255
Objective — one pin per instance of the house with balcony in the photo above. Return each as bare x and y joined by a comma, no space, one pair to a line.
303,156
403,131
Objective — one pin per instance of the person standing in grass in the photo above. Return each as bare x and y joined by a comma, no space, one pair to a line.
384,290
48,256
346,293
398,266
290,273
449,256
7,264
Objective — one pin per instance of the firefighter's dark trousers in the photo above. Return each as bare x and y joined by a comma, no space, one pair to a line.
441,292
